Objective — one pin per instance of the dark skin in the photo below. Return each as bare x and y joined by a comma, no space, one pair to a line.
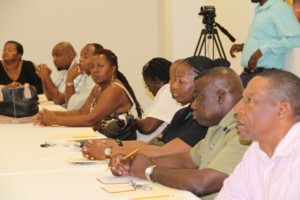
63,55
252,63
212,101
150,124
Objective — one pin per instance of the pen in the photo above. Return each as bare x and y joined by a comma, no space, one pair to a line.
127,156
131,154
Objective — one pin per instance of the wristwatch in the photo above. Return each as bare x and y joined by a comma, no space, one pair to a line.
148,172
107,152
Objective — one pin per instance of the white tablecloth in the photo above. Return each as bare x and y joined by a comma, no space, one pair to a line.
31,172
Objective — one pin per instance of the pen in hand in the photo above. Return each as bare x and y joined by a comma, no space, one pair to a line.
126,156
131,154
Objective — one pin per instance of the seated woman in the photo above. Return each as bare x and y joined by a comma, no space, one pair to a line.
14,71
112,94
163,107
179,136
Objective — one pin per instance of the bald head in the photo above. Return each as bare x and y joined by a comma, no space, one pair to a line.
216,92
63,54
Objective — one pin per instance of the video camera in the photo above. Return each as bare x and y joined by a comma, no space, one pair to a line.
209,14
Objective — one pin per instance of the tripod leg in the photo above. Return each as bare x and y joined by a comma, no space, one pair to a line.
201,42
220,48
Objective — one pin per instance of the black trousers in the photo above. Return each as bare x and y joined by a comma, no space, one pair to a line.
246,75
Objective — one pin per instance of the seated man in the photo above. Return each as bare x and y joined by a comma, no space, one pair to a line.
156,74
179,136
269,116
76,100
64,56
203,169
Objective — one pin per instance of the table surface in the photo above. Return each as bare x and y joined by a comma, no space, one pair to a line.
29,171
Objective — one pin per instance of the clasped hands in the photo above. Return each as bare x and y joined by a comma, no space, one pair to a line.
44,118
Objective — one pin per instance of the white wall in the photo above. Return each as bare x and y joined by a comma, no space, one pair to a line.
136,30
129,28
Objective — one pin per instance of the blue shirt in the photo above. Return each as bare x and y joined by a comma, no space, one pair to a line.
274,30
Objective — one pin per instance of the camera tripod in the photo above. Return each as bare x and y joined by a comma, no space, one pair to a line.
212,33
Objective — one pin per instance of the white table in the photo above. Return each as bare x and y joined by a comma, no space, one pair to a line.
30,172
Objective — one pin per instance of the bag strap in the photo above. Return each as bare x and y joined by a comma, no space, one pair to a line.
27,92
128,94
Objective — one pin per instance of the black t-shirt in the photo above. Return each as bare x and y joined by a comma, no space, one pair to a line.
184,127
27,75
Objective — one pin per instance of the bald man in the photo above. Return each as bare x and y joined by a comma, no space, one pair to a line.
64,56
203,169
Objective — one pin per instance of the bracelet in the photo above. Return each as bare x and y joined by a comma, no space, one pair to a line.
120,144
69,84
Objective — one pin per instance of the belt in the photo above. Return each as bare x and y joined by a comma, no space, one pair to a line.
257,70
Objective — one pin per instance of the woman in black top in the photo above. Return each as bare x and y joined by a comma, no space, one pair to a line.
14,71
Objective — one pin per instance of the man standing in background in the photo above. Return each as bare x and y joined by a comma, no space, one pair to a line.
274,30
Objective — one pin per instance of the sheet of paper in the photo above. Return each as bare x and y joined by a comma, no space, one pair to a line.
118,188
75,135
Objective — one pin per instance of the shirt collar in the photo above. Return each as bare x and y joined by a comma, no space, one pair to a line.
259,8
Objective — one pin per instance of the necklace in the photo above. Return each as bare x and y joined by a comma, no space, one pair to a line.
13,72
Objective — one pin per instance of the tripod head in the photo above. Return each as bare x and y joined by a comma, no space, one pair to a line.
209,14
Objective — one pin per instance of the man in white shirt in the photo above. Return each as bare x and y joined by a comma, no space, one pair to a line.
269,115
73,99
64,56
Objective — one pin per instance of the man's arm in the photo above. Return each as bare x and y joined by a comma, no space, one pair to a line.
180,172
174,146
200,182
50,90
73,72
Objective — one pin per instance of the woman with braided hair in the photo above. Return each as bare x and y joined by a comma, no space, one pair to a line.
163,107
111,94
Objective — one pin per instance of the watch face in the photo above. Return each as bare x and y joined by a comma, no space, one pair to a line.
149,170
107,151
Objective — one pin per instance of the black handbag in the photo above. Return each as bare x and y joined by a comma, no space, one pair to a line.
118,126
19,102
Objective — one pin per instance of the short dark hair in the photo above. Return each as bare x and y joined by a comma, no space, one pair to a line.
284,85
19,46
96,46
157,68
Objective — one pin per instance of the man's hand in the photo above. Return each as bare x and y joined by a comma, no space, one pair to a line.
73,72
252,64
139,165
236,48
119,166
43,70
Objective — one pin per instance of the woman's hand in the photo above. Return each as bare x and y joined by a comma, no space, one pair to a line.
45,118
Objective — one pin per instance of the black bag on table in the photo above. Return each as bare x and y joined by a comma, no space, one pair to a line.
118,126
19,102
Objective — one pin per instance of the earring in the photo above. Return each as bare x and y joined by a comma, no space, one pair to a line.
112,78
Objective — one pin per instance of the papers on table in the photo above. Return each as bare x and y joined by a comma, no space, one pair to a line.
82,160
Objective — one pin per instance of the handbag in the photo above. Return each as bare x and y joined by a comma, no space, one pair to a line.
19,102
118,126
